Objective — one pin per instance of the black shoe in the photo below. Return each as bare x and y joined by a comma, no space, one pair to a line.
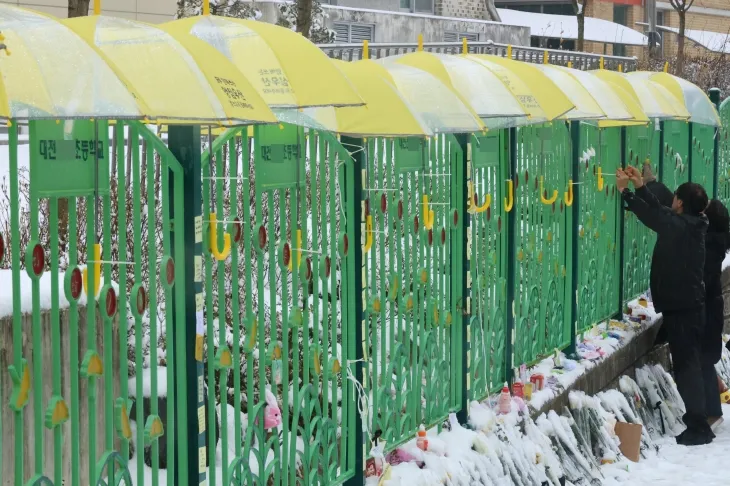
691,437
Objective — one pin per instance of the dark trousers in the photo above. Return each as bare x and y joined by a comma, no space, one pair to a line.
684,331
711,353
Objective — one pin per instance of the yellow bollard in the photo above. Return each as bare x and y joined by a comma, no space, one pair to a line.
464,46
420,42
666,67
365,50
602,64
206,7
97,7
545,57
509,51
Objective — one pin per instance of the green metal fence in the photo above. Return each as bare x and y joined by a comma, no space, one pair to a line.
360,287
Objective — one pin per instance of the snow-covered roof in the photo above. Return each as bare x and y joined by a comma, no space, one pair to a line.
566,27
713,41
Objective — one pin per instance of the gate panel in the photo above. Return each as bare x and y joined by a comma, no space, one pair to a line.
599,231
487,253
73,392
642,143
542,241
675,160
276,320
410,304
723,171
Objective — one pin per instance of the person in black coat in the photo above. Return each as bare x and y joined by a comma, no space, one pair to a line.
717,245
677,286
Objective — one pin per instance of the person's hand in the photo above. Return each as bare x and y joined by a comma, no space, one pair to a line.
622,180
636,178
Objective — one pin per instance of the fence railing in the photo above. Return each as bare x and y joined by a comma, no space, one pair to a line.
579,60
425,270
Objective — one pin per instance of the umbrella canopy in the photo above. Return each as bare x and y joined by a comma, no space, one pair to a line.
175,80
546,100
694,99
286,69
655,100
54,74
590,95
386,113
439,107
476,85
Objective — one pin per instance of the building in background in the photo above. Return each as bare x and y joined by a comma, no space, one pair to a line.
153,11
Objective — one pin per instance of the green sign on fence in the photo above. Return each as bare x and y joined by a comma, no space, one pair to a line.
279,160
62,158
488,151
409,154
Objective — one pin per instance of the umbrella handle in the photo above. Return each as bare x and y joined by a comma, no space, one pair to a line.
599,175
368,233
219,255
97,271
299,251
568,196
542,193
428,215
473,198
508,203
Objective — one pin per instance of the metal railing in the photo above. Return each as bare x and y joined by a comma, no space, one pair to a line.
579,60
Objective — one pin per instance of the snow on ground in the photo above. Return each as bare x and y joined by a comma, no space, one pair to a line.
678,465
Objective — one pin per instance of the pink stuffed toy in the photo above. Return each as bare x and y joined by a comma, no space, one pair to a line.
272,413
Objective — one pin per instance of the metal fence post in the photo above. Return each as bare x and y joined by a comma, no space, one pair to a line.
511,224
715,98
574,229
622,231
460,236
354,205
184,143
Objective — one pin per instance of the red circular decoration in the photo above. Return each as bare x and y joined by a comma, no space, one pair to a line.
286,254
2,247
415,224
141,300
527,176
345,244
383,203
367,207
561,206
553,207
443,236
170,271
77,283
237,233
430,237
111,303
594,170
489,213
456,217
309,269
517,182
39,259
499,223
606,190
327,266
544,193
262,237
400,209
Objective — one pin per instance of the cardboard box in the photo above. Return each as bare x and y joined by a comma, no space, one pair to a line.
630,437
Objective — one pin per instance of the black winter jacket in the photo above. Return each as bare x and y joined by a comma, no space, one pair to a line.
677,265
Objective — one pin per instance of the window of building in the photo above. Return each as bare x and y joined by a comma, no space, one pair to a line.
564,8
457,36
352,33
620,16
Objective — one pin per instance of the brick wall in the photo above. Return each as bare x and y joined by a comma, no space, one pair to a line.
464,9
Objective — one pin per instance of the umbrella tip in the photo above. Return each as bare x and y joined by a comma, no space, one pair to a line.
365,50
97,7
666,67
464,46
420,42
206,7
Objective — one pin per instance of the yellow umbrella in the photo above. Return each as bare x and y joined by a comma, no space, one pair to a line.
176,80
655,100
693,98
476,85
546,101
386,113
439,107
54,74
590,94
286,69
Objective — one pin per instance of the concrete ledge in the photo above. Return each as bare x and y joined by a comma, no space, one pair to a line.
635,354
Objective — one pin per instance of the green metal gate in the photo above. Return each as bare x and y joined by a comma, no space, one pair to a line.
675,159
702,164
490,198
412,283
723,156
542,241
598,227
278,312
96,278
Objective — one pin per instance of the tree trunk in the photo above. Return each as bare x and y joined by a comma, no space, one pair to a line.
680,42
580,45
304,17
78,8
